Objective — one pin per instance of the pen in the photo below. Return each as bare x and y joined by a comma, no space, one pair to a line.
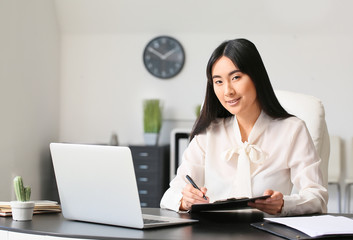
194,185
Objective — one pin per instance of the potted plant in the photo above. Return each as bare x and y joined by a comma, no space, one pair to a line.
22,209
152,120
198,110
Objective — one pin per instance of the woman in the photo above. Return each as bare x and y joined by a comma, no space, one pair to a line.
244,144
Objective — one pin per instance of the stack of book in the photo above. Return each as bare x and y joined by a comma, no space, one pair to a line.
43,206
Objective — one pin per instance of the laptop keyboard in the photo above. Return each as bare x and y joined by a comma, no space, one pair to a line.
150,221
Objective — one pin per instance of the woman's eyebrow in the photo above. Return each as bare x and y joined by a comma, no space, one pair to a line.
216,76
232,72
229,74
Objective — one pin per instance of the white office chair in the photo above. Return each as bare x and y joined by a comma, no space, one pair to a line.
312,112
334,169
349,180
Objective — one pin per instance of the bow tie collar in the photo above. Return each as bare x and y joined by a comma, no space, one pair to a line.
252,153
245,153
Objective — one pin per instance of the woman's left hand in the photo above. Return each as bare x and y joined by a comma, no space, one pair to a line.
271,205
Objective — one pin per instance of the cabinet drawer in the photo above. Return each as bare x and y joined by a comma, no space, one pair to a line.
151,190
150,198
147,191
144,153
145,166
146,179
149,203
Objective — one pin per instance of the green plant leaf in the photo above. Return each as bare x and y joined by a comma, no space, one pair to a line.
152,116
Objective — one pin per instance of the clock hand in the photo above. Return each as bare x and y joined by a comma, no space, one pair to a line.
158,54
165,56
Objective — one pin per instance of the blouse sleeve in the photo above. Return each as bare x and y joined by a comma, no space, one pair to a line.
193,165
304,164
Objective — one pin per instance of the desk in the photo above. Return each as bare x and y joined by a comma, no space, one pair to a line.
230,225
216,225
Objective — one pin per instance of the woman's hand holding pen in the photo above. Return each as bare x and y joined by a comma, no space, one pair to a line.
272,205
192,196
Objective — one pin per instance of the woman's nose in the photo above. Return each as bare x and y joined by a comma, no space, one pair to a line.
229,90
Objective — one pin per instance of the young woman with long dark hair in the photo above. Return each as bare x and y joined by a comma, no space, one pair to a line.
245,144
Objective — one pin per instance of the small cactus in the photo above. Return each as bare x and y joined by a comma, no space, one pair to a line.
23,194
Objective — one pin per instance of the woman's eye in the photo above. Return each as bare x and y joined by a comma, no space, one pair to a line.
218,82
236,77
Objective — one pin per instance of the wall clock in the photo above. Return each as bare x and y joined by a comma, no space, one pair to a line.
164,57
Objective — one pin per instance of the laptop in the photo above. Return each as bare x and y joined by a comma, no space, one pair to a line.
97,184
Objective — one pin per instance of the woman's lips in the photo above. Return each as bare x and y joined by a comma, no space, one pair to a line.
233,102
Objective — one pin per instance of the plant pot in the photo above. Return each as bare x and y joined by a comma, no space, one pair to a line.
22,211
151,139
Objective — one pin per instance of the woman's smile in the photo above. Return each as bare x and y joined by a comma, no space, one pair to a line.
233,102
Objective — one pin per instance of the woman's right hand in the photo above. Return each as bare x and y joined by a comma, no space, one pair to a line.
192,196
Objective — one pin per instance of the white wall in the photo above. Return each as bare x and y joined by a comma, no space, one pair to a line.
29,94
306,47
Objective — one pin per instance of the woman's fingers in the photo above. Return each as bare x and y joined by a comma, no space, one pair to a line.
192,196
271,205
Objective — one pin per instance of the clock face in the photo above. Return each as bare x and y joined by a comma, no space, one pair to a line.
164,57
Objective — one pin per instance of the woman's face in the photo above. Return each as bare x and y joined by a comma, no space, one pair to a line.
234,89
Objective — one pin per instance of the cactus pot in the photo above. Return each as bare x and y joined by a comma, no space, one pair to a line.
22,211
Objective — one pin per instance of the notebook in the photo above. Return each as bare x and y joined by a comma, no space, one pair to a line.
97,184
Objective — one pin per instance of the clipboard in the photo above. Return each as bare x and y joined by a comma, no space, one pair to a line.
227,204
292,233
281,230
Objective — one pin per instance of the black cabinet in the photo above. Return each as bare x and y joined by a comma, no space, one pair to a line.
151,165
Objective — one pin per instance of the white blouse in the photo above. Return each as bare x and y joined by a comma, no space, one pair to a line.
280,155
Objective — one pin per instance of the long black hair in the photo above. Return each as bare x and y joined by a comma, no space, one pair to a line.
245,56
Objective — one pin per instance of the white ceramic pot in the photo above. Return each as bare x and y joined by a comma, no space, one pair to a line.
151,139
22,211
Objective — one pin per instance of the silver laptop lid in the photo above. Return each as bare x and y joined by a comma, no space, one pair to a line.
97,184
